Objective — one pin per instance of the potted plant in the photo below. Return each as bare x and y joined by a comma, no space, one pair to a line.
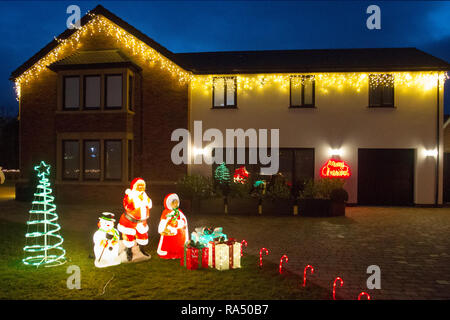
323,198
240,201
192,189
339,198
277,200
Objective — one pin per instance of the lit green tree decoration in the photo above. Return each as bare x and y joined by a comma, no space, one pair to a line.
43,241
222,174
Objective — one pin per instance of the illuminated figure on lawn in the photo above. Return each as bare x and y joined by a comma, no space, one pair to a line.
133,222
106,242
173,228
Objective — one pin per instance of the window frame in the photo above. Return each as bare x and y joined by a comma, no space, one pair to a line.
106,107
105,152
225,106
99,161
84,91
63,177
130,92
64,92
303,105
382,105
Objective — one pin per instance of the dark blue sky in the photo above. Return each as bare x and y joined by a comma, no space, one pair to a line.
186,26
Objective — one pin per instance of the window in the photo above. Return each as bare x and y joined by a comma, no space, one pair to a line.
71,160
92,92
130,92
302,89
381,90
71,93
113,159
91,164
224,92
113,91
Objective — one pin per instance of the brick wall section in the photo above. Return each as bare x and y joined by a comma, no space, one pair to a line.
161,106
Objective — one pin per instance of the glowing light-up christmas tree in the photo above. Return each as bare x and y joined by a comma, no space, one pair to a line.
43,241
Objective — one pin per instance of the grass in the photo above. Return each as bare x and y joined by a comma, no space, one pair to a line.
156,279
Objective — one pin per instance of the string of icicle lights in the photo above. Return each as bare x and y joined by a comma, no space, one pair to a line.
43,243
100,24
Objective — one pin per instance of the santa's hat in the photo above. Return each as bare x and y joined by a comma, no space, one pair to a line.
134,184
108,216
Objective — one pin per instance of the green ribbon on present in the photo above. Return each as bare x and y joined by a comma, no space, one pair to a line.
194,245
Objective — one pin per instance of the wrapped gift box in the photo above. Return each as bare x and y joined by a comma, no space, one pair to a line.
224,255
195,256
205,235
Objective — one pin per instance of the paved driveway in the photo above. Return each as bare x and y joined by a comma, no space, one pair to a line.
410,245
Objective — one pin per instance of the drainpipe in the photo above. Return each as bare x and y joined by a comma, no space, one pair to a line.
437,144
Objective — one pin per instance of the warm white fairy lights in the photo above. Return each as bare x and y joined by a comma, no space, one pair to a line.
324,81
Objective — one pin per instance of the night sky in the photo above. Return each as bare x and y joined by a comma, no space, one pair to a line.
189,26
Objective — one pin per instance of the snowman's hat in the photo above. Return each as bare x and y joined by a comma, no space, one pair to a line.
108,216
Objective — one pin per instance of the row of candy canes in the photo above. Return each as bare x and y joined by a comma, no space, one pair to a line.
285,259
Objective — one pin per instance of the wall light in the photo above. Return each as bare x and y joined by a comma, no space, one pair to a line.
335,152
430,153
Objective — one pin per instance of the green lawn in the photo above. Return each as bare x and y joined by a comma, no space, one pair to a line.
156,279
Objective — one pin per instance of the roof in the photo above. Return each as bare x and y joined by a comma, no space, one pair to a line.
94,59
331,60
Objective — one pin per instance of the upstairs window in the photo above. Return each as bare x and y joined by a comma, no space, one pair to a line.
224,92
113,91
381,90
71,93
130,92
92,87
302,90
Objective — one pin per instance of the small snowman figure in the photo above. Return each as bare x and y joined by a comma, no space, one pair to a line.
106,242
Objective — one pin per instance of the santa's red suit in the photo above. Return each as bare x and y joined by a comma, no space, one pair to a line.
173,228
133,222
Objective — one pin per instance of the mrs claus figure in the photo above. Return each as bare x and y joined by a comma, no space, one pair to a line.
173,228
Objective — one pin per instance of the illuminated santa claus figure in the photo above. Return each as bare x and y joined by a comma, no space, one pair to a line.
173,228
133,222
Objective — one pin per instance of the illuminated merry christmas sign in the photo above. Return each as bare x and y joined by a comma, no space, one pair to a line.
335,169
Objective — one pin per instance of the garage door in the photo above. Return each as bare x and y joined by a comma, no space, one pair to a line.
386,176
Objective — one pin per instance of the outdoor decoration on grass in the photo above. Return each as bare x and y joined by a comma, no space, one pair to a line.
195,255
364,294
224,254
173,229
106,242
43,241
243,242
341,282
285,259
304,273
260,255
204,235
335,169
240,175
133,222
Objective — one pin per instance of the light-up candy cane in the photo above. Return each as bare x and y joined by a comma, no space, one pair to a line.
362,294
334,286
285,258
304,273
260,255
243,242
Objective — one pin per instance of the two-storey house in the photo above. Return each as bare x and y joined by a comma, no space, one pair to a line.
100,103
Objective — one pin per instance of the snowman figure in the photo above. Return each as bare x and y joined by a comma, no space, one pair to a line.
106,242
